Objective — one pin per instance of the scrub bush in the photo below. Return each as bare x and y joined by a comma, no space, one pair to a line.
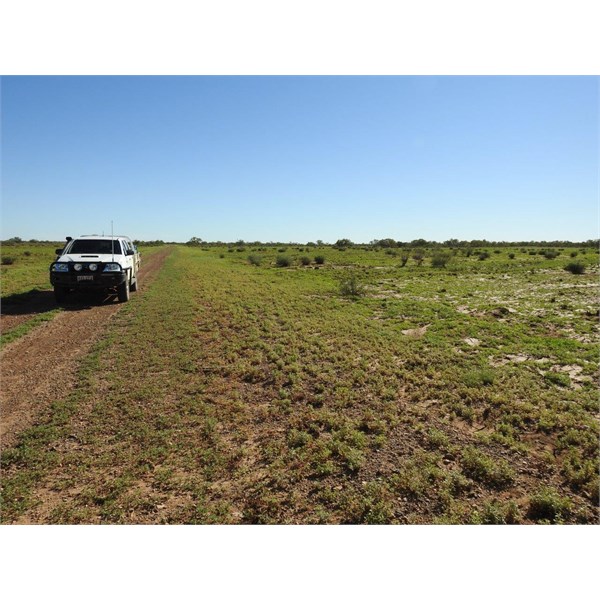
440,259
576,268
352,287
254,259
283,261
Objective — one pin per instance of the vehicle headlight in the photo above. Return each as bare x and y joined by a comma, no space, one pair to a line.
93,267
111,267
77,266
60,267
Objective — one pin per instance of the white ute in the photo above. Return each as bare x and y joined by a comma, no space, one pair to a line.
96,262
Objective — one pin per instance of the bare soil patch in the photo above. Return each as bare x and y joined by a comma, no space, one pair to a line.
41,367
417,333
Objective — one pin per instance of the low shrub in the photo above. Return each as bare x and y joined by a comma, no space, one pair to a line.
557,378
8,260
440,259
496,512
255,260
437,438
479,377
579,472
305,260
319,260
283,261
511,255
576,268
483,255
352,287
418,256
548,506
297,439
485,469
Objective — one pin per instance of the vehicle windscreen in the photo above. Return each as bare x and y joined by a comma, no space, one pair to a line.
94,247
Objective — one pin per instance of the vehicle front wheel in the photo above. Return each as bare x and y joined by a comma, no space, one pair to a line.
60,293
123,291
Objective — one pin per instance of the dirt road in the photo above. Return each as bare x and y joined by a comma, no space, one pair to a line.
41,367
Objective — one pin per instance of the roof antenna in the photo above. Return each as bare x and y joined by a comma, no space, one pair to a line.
112,242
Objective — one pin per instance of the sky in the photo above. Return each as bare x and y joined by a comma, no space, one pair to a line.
298,159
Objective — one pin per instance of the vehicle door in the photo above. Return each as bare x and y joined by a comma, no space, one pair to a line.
129,259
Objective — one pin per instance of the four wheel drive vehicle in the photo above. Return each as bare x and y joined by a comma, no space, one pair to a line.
94,262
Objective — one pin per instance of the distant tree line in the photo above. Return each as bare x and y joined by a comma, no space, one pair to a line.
391,243
151,243
455,243
347,243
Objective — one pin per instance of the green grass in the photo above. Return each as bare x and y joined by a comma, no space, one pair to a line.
238,392
27,272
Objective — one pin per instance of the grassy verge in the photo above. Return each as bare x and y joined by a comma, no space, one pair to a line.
30,267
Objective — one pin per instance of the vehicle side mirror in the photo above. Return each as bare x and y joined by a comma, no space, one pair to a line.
130,252
58,251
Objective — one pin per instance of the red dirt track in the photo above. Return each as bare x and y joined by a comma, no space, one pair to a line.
41,367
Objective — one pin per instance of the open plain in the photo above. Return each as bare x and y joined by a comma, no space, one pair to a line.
305,384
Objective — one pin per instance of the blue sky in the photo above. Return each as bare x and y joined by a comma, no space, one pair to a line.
301,158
